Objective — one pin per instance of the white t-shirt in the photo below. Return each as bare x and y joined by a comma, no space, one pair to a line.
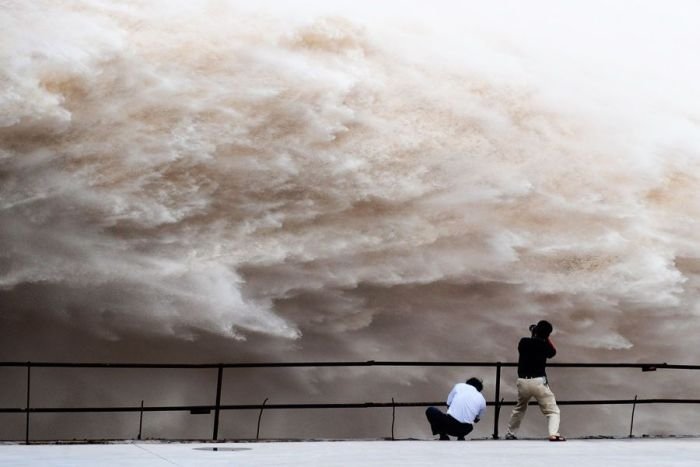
466,403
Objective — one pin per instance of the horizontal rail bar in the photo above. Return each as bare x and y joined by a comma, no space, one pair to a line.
243,365
358,405
338,364
108,365
650,366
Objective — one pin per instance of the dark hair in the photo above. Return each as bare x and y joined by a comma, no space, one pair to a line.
543,329
476,382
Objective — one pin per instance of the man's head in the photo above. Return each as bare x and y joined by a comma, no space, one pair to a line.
476,382
542,329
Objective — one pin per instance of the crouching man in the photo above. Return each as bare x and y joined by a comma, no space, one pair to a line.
466,406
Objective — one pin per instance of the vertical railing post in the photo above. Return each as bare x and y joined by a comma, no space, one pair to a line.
634,406
257,432
141,420
393,417
29,388
497,401
217,407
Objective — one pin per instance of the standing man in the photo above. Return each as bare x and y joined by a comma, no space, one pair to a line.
532,380
466,406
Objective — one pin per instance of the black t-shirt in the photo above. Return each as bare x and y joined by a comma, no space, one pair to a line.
534,353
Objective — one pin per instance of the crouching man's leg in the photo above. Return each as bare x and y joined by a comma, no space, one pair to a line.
463,430
437,422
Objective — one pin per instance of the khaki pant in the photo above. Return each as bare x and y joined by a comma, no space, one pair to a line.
539,389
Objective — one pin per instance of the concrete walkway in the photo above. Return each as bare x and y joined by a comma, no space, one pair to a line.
487,453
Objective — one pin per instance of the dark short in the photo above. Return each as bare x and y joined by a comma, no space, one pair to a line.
445,424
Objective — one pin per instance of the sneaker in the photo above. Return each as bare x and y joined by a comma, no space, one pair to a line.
444,438
557,438
511,436
460,438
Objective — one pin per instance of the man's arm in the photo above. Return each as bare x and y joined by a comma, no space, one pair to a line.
551,351
482,411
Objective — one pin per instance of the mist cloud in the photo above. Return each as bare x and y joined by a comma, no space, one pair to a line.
162,158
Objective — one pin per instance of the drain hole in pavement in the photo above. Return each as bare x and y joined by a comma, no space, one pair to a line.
222,449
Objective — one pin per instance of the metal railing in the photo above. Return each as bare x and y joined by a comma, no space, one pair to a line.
217,406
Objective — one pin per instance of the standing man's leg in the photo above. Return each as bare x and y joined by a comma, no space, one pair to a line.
516,417
550,409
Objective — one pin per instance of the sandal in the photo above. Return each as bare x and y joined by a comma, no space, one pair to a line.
557,438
